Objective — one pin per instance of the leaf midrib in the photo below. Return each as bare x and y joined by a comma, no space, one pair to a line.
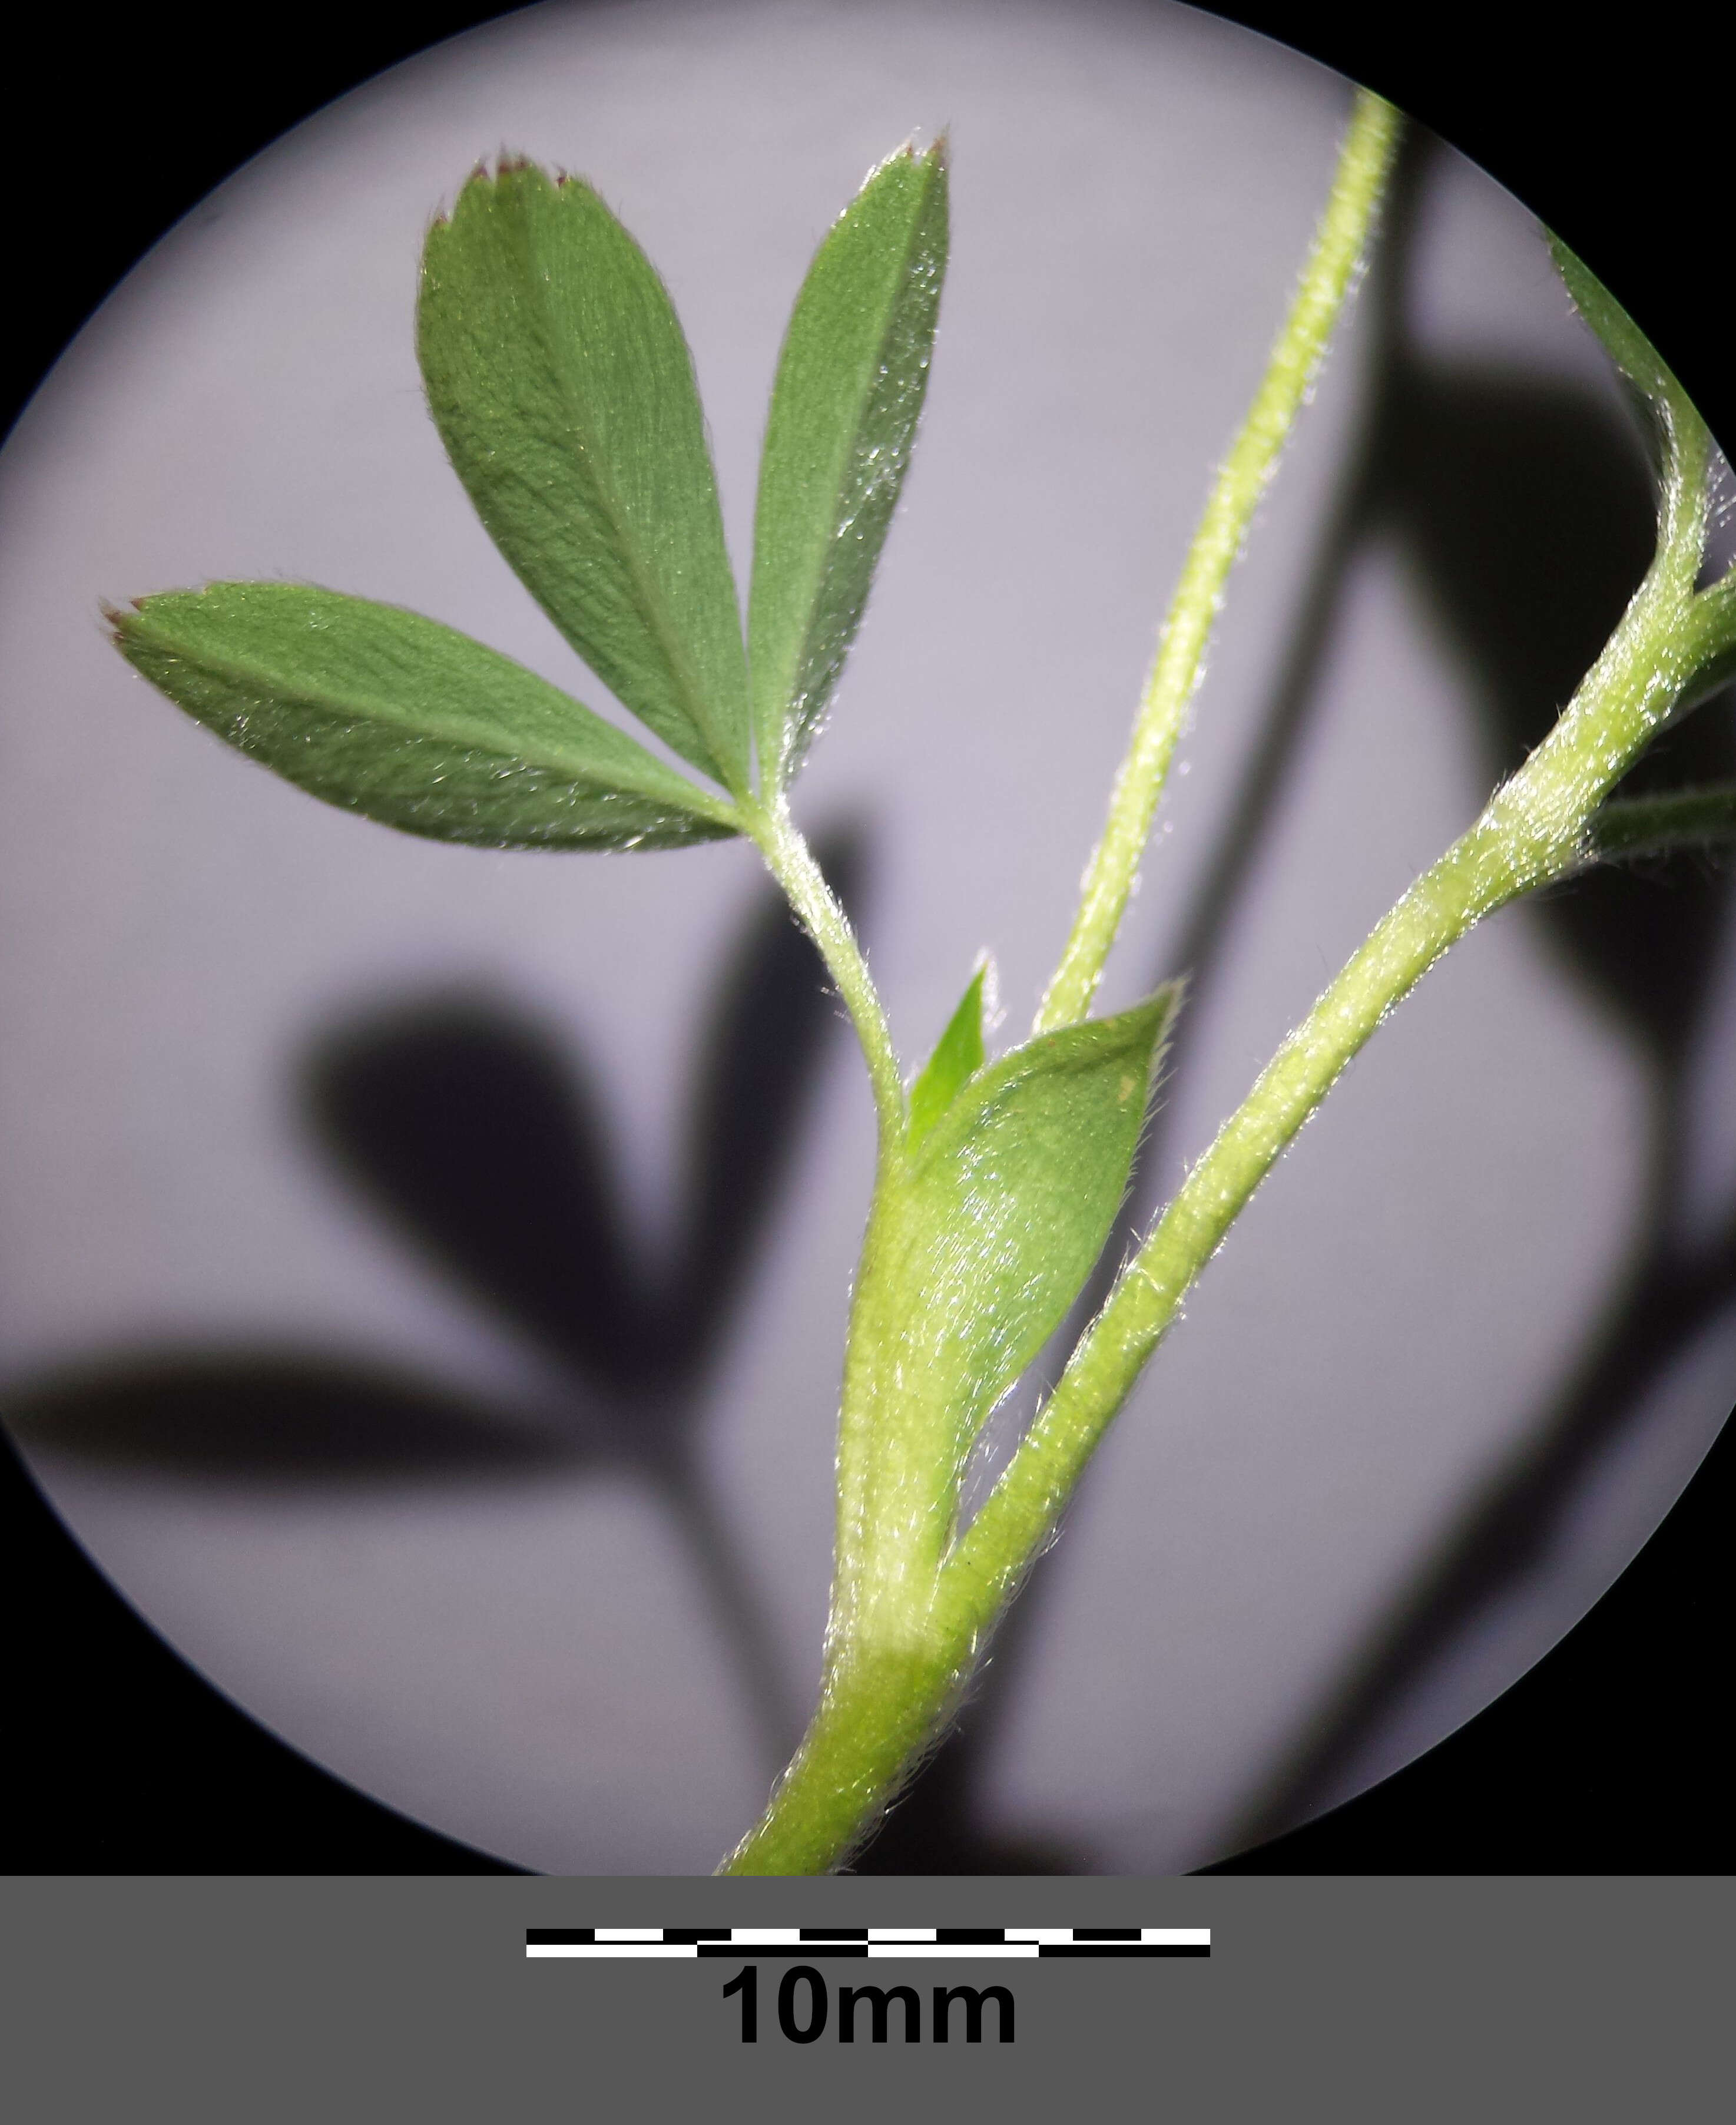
874,369
648,606
550,755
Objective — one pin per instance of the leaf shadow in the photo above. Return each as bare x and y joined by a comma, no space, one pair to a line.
282,1420
476,1137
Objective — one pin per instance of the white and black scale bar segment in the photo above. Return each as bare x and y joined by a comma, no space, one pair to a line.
809,1943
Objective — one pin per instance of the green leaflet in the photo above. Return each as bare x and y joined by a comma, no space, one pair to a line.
987,1236
958,1056
393,716
849,386
1626,346
562,386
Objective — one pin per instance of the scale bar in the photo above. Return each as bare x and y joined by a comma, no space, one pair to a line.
813,1944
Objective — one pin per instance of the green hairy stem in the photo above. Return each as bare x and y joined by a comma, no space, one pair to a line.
892,1679
788,859
1333,264
902,1636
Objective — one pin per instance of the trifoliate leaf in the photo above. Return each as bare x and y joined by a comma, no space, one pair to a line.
394,716
563,388
849,386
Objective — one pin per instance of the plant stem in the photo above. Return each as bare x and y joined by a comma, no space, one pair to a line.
792,864
883,1702
1538,826
910,1615
1327,278
876,1715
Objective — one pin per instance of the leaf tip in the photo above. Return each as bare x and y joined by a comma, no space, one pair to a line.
908,151
1148,1025
122,619
985,977
488,176
511,169
1622,340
